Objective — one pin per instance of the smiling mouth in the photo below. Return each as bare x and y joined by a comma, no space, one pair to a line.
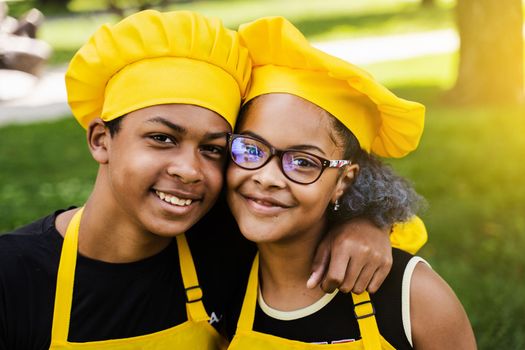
265,203
169,198
262,202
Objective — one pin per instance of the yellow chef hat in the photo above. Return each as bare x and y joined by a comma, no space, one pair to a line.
284,62
152,58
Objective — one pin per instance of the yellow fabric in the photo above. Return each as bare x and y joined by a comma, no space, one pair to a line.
196,333
409,236
246,338
152,58
284,62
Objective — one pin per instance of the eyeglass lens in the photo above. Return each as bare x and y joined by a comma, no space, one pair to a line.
298,166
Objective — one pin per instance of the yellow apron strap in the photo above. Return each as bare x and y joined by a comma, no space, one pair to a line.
194,306
365,314
249,304
65,280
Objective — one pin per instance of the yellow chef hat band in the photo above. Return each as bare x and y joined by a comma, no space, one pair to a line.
169,74
354,109
284,61
152,58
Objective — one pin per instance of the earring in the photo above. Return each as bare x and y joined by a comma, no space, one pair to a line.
336,205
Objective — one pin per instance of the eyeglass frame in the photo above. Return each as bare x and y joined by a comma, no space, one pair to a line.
325,163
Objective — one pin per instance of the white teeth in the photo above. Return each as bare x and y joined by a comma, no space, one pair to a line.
172,199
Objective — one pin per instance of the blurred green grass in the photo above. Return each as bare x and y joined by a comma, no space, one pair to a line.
470,166
44,165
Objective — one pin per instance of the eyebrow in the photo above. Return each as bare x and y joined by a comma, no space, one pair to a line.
182,130
177,128
303,147
216,135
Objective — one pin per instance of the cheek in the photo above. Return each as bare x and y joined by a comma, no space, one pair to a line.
234,176
214,175
139,165
315,197
126,161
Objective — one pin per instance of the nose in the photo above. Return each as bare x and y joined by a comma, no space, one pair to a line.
186,166
270,175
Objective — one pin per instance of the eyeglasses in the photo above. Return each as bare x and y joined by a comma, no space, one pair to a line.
298,166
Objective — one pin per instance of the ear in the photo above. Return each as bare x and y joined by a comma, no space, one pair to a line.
345,180
98,138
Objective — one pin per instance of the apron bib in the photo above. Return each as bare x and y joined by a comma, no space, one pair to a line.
246,338
195,333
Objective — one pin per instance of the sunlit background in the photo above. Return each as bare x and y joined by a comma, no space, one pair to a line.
470,164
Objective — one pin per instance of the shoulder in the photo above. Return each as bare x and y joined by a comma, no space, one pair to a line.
29,259
402,268
392,300
34,230
437,316
29,245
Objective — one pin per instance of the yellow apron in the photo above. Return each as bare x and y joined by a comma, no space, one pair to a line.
196,333
246,338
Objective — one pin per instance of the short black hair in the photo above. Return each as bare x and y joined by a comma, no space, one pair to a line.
114,125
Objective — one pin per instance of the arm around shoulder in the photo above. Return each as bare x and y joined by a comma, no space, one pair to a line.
437,317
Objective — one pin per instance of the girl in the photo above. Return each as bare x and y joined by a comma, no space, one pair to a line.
288,183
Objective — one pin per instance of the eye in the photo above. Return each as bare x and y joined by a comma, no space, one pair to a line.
161,138
214,151
304,163
301,162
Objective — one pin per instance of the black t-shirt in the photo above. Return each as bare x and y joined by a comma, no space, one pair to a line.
336,321
112,301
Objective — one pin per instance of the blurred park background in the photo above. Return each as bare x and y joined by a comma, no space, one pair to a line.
470,164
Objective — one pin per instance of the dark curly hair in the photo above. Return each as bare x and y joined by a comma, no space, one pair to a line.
377,193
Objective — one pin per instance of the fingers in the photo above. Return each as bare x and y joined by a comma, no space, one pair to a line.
320,264
338,265
360,258
379,278
366,270
357,278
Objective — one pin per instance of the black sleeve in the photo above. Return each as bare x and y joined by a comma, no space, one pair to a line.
28,263
3,321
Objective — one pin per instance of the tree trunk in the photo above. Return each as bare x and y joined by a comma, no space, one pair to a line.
491,52
428,3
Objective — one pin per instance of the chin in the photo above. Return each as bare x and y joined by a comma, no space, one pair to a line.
169,228
259,232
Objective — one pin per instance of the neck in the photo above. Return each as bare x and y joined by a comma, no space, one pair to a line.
106,233
284,270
